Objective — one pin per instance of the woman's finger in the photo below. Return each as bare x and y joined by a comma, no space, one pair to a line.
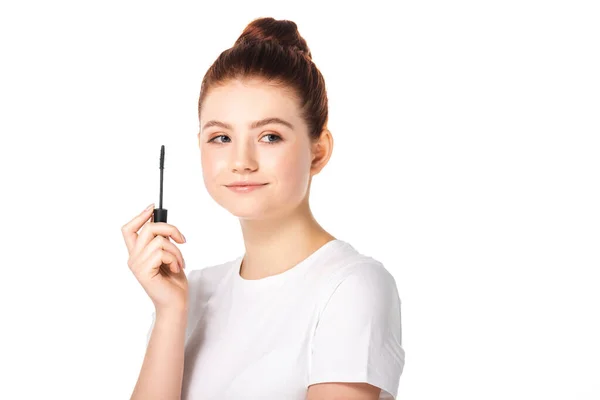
162,243
151,262
131,228
153,229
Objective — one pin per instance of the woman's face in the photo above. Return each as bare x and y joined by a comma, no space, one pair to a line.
232,149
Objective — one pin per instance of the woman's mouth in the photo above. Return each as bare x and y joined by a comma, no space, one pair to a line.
246,188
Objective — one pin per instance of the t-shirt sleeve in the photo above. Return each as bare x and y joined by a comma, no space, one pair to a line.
358,337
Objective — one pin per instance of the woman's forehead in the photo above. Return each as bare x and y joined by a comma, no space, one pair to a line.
250,91
236,103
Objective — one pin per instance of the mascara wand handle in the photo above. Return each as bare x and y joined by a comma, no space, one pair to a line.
160,215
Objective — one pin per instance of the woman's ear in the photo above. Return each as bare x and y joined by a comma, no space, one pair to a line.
321,150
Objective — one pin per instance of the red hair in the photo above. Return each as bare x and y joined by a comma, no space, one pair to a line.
274,50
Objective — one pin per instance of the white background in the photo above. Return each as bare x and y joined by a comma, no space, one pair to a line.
466,159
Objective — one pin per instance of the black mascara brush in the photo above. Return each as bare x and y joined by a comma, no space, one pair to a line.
160,213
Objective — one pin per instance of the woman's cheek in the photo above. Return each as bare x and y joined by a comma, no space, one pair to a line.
294,173
210,172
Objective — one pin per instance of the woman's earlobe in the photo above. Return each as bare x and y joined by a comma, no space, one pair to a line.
322,151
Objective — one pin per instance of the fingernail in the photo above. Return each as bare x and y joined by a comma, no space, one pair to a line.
183,238
149,207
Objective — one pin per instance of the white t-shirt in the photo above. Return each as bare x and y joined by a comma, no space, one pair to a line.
333,317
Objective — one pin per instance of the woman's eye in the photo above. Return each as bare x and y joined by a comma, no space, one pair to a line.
273,135
211,140
277,138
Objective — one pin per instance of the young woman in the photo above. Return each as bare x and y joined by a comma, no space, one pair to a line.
300,315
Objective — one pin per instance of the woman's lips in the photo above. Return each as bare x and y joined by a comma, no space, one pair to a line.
245,188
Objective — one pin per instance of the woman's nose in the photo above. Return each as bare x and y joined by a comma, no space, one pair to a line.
243,158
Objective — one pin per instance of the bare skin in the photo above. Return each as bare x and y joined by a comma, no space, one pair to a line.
158,264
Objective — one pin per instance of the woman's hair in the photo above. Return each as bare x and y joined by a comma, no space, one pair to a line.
274,50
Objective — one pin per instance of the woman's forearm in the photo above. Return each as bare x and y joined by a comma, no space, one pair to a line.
162,371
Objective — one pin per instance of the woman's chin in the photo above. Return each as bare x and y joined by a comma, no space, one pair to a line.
247,211
249,216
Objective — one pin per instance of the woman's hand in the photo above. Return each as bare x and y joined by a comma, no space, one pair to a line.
155,261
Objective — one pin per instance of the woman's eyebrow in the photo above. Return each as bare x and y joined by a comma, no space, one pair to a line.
254,125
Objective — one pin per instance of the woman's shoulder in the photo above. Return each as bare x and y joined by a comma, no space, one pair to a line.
352,262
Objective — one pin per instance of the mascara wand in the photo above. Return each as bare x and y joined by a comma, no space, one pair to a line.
160,214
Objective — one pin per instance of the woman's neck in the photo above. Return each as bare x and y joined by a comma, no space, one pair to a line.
274,246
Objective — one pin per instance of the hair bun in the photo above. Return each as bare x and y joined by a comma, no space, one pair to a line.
283,32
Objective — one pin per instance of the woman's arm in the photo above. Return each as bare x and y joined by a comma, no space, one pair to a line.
162,371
